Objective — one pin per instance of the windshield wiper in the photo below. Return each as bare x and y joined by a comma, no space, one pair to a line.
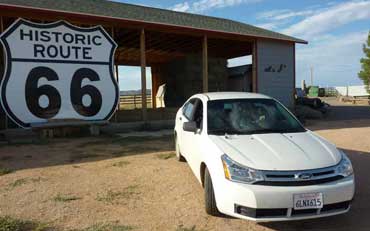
262,131
223,131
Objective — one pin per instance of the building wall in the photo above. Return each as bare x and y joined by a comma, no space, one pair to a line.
275,70
240,78
183,78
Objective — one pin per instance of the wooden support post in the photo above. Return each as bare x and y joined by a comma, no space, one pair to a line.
114,59
154,86
254,67
143,75
119,93
205,64
2,58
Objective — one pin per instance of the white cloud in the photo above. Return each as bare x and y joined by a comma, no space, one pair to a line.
335,59
268,25
182,7
283,14
330,18
204,5
275,19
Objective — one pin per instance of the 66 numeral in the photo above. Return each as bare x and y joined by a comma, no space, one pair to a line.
34,92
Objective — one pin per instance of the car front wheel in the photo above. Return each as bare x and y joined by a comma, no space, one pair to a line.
209,195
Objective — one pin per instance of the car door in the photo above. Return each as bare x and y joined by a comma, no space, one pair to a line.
185,116
193,139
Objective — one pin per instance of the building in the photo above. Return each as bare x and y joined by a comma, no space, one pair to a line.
187,52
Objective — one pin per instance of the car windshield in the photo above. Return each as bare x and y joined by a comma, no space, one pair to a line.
250,116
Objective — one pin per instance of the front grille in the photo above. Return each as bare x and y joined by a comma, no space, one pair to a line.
259,213
336,206
283,212
299,183
271,212
303,212
300,177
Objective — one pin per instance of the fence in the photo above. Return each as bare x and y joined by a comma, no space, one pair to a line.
128,102
354,91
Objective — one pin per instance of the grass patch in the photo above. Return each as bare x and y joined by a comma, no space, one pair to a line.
23,181
193,228
18,182
112,197
121,164
4,171
65,198
12,224
166,156
108,227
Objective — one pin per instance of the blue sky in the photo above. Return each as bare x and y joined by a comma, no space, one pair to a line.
335,31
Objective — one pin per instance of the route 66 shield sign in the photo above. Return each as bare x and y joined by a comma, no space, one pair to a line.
57,71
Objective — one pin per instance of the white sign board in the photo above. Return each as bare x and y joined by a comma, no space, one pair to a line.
57,71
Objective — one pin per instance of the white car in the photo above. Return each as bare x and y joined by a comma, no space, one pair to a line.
256,161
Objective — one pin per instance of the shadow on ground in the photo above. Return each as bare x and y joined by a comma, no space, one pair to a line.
358,218
343,116
79,150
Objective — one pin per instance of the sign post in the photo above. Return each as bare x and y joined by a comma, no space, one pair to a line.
57,71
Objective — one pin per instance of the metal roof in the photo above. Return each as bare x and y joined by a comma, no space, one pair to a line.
150,15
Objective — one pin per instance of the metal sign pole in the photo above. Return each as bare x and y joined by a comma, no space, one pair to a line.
3,64
119,97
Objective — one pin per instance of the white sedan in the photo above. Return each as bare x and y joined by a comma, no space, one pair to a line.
256,161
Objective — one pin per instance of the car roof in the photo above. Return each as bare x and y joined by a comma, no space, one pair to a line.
232,95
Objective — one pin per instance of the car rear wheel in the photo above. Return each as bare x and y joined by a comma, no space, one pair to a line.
209,195
178,152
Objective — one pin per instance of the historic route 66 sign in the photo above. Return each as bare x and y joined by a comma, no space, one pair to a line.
57,71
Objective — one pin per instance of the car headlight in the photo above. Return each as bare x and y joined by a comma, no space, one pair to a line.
345,167
239,173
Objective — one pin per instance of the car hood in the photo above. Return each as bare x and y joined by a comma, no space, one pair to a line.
276,151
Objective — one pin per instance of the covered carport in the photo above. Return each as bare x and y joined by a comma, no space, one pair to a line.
187,52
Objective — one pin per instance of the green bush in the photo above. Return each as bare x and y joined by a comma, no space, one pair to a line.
10,224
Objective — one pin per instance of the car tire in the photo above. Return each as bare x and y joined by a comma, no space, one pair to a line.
209,195
179,157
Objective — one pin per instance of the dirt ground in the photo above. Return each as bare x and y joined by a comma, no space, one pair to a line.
77,182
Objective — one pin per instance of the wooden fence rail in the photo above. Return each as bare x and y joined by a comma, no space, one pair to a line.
133,101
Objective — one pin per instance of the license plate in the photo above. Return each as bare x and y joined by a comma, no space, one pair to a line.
308,201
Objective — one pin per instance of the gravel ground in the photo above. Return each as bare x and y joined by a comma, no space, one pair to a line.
75,183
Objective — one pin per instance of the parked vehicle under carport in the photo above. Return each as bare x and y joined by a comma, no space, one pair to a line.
256,161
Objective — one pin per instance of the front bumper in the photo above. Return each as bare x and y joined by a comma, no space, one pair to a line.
275,203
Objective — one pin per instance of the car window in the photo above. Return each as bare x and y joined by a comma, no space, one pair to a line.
250,116
188,109
198,114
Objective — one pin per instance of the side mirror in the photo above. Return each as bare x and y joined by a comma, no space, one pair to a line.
190,126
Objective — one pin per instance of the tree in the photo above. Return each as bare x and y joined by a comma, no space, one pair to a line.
364,74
